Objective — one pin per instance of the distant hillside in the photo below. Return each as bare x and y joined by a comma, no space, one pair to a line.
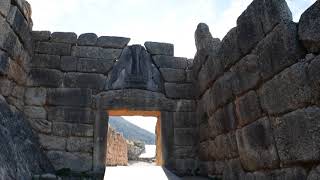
131,131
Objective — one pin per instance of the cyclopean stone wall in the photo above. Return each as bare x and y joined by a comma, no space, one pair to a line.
117,149
20,153
258,95
74,81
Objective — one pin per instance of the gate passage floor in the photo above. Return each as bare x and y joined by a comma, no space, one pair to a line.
141,173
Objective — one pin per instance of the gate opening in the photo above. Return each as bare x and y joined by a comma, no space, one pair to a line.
134,138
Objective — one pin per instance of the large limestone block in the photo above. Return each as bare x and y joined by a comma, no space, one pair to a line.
41,125
45,78
68,129
53,48
35,112
95,52
286,91
248,108
20,26
70,114
84,80
247,74
45,61
5,7
35,96
69,63
113,42
295,173
297,136
204,39
256,146
170,62
184,119
222,121
4,63
224,147
184,136
79,162
64,37
229,52
156,48
40,35
89,65
87,39
80,144
135,69
258,19
69,97
209,72
173,75
50,142
179,91
309,28
284,37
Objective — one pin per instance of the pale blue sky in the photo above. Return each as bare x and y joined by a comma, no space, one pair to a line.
172,21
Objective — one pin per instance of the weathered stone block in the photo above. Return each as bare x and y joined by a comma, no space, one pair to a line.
233,170
113,42
87,39
35,96
309,27
184,152
185,166
69,63
156,48
170,62
40,35
6,86
5,7
248,108
18,92
223,147
20,26
95,52
295,173
184,119
297,135
64,37
173,75
89,65
221,92
184,136
314,174
50,142
17,103
41,125
9,40
16,73
79,162
179,91
70,114
68,129
80,144
35,112
45,61
256,146
204,39
247,74
294,82
45,77
184,105
209,72
69,97
4,63
189,76
229,52
83,80
222,121
53,48
284,37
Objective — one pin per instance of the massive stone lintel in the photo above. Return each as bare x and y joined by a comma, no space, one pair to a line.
135,69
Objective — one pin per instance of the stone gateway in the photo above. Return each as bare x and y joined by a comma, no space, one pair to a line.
246,107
